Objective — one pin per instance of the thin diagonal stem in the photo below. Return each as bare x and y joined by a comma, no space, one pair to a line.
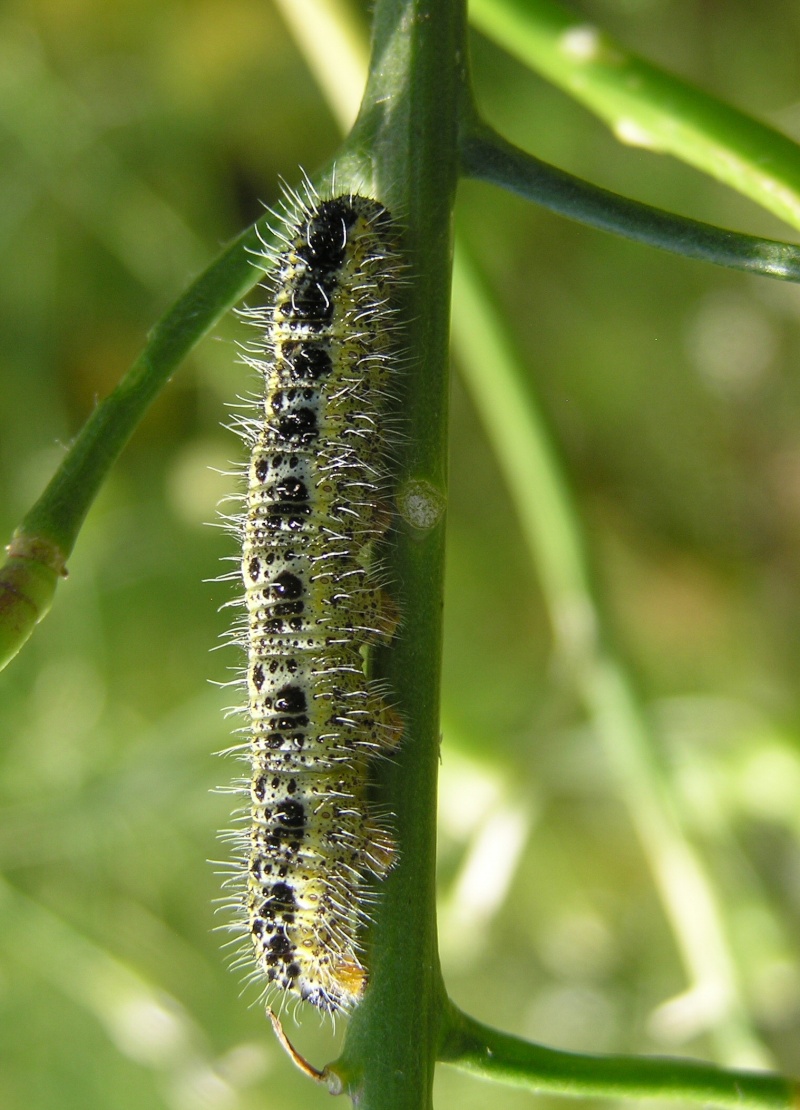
487,156
42,543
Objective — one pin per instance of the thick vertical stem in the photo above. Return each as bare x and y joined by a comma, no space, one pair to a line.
407,134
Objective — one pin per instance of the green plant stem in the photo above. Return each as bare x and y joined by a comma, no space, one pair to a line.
486,1052
44,540
504,396
404,146
646,106
403,149
489,157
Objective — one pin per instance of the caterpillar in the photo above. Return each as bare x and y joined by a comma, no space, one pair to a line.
316,508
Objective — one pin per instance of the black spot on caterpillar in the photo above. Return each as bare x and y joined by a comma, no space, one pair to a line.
315,512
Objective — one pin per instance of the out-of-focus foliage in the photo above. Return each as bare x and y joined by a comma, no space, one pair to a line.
135,138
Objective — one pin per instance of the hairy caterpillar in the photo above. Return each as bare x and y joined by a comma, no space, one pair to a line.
315,511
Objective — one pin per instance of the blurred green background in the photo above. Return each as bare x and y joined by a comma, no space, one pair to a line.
137,137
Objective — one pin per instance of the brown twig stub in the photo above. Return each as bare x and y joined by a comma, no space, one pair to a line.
298,1060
